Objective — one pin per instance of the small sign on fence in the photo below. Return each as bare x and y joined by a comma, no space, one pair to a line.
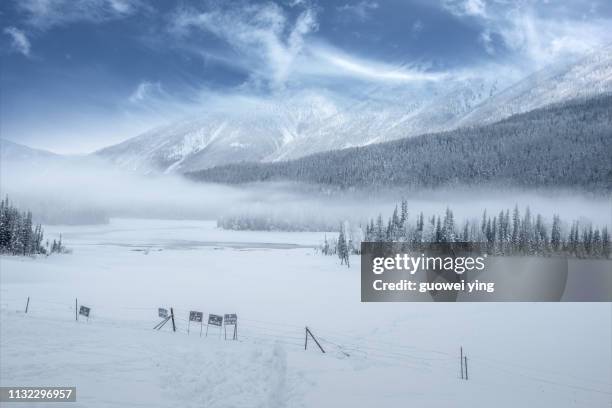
215,320
231,320
195,316
163,313
84,311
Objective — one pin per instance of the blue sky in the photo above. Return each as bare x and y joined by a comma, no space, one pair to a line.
78,75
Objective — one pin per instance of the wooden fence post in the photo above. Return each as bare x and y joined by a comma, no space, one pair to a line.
27,304
172,315
461,360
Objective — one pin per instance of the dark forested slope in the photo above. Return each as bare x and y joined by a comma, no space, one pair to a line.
568,145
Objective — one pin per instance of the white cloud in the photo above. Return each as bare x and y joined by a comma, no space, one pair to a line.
146,91
487,41
542,41
277,50
19,40
262,34
325,60
537,33
44,14
361,9
417,27
466,7
475,7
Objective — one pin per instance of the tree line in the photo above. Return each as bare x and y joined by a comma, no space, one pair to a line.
566,145
19,235
273,222
508,232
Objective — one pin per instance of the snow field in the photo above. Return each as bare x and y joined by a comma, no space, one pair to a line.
391,354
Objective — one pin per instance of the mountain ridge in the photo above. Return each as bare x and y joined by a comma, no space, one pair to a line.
532,149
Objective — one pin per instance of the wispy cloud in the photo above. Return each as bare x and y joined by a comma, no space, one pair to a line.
19,40
543,41
263,34
537,34
145,91
486,40
278,50
361,9
44,14
328,61
417,27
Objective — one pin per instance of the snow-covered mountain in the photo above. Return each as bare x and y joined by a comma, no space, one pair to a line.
388,114
305,123
14,152
589,76
300,124
252,133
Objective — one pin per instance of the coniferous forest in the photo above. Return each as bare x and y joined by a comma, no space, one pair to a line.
19,235
508,232
560,146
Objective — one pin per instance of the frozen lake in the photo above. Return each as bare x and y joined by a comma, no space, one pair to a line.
401,353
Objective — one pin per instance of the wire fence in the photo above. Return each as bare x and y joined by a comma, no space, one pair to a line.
336,344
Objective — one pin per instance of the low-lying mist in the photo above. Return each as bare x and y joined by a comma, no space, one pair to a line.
82,191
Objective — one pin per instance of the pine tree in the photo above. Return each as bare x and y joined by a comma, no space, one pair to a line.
555,234
596,244
501,227
605,243
420,222
483,223
404,214
438,233
466,234
342,248
448,231
395,224
380,232
26,234
526,234
516,225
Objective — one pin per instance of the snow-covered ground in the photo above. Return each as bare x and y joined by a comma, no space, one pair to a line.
398,354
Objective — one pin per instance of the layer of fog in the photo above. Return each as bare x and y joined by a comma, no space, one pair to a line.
80,191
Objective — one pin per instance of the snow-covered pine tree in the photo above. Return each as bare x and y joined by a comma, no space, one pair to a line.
516,227
380,229
438,234
605,243
448,229
555,233
342,247
404,213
